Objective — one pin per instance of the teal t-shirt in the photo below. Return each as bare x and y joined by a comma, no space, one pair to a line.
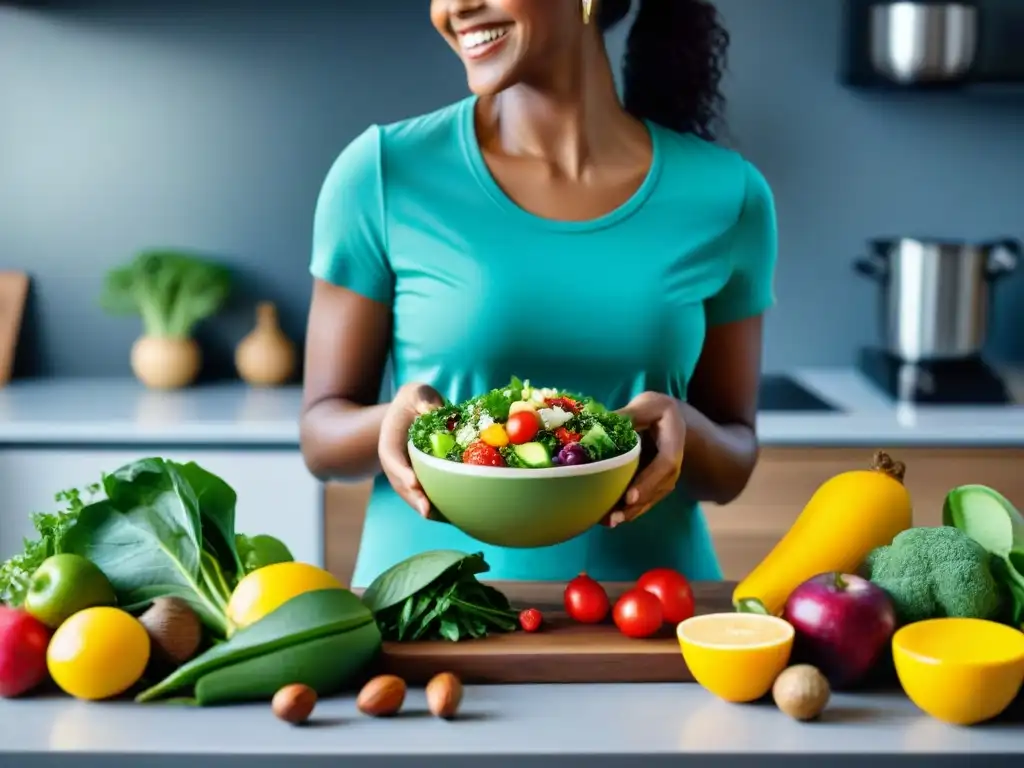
480,289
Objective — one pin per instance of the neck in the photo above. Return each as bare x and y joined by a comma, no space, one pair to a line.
569,120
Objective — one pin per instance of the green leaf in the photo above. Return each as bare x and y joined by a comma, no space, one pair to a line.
326,665
405,579
146,536
259,551
217,501
309,616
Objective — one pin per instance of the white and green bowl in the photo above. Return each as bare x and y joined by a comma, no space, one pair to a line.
513,507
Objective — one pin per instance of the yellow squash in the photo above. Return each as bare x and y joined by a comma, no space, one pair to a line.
846,518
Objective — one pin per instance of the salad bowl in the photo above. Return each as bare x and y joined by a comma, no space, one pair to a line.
524,508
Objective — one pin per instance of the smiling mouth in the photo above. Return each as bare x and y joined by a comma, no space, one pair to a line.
483,41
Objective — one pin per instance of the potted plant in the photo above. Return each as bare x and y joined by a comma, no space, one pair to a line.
172,292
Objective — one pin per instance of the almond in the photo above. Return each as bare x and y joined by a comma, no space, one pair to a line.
444,695
294,703
382,696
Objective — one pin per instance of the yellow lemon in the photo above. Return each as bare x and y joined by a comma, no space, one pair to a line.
267,589
98,653
736,656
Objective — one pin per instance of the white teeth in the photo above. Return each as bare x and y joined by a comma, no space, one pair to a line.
476,38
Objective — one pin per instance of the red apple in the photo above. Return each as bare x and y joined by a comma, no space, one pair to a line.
843,624
23,641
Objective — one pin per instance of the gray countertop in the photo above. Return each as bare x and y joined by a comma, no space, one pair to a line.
524,722
121,411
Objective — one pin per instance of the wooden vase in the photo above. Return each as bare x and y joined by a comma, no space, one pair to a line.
266,357
166,363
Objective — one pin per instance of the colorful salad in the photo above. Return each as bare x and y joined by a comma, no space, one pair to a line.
524,426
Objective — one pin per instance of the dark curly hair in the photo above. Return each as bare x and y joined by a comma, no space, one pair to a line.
675,58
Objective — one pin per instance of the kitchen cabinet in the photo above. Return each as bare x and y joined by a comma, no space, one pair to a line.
746,530
277,495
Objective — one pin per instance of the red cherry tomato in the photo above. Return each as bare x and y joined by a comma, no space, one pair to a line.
585,600
672,590
637,613
483,454
522,427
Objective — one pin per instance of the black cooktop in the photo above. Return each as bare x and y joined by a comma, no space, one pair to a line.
969,381
779,392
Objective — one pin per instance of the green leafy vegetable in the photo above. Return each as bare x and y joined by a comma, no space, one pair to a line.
170,291
16,573
259,551
252,665
436,596
147,537
990,519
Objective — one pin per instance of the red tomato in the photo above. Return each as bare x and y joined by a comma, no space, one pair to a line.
672,590
522,427
483,454
565,403
585,600
565,436
637,613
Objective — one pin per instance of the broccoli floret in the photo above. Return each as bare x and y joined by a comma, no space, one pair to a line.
934,573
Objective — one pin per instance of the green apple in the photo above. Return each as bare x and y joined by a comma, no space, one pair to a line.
64,585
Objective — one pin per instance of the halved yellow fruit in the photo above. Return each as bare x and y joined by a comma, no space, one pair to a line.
736,656
268,588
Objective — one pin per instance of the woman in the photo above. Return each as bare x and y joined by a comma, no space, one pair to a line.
540,228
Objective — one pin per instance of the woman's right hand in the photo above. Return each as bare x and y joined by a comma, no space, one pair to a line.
410,401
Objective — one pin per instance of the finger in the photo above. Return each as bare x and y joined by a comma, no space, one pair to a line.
394,461
661,471
427,405
632,513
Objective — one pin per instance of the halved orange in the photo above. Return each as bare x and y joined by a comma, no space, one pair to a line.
736,656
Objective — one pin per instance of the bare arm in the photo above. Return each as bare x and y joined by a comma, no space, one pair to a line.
347,343
720,415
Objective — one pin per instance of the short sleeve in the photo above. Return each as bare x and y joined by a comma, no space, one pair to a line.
753,252
349,239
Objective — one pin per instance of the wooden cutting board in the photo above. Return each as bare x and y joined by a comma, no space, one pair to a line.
13,292
562,652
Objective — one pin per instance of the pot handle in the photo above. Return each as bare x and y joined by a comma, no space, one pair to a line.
874,267
1003,257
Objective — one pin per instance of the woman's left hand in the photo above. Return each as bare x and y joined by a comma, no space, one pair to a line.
657,415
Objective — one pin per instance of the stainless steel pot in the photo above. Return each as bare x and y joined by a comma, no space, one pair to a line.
923,42
936,294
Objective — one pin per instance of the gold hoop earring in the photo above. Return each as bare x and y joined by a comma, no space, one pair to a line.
588,9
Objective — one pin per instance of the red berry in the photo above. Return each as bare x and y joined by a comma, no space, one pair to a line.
483,454
530,620
565,436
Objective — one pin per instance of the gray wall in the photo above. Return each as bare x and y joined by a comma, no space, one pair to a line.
125,125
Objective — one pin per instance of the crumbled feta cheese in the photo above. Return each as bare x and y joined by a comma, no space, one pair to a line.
466,435
553,418
484,421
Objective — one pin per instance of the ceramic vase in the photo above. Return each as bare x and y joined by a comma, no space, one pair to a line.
266,357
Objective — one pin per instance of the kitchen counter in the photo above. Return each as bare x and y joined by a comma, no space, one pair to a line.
603,725
122,412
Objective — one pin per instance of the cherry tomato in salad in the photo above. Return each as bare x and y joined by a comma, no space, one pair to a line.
672,590
482,454
565,436
495,436
637,613
565,403
585,600
522,427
